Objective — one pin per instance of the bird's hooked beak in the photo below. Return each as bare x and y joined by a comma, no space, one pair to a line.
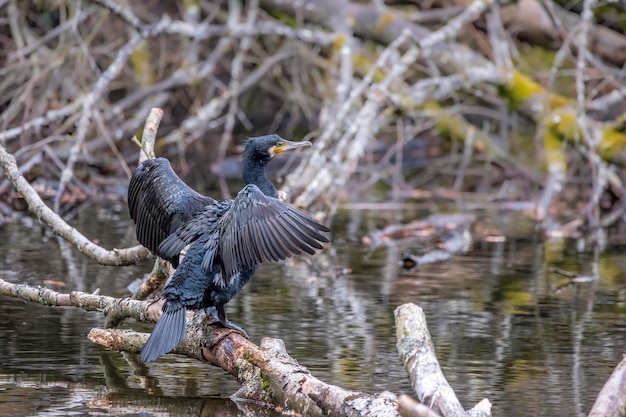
287,145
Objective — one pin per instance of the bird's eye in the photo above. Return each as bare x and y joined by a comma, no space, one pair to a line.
280,144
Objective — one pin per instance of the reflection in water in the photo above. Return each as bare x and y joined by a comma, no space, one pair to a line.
500,330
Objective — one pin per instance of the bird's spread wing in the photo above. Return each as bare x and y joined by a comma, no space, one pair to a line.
205,221
160,202
258,229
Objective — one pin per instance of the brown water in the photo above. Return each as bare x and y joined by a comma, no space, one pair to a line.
500,329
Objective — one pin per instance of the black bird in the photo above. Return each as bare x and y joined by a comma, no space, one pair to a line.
228,239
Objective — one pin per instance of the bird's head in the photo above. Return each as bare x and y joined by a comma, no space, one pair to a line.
264,148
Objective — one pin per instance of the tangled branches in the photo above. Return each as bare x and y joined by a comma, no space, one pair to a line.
79,78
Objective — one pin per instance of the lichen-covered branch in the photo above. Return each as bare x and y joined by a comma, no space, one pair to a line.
46,215
355,127
267,373
420,361
343,139
89,302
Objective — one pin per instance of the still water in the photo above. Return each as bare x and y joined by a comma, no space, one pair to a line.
502,326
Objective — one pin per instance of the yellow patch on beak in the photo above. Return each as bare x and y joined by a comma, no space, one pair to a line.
276,149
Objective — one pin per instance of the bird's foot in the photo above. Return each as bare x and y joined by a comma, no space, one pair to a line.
211,313
230,325
215,318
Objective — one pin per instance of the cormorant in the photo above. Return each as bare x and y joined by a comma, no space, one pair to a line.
228,239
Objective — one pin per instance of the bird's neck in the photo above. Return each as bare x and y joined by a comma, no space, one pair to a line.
254,173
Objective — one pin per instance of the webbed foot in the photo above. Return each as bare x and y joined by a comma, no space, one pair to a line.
230,325
219,317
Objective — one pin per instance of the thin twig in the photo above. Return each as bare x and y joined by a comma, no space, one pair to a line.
87,108
235,72
148,139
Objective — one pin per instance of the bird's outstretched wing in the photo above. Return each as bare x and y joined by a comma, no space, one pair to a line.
258,228
204,221
160,202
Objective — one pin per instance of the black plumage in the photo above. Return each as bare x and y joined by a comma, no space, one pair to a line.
159,202
228,239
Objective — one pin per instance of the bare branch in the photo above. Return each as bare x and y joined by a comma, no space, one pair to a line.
87,112
148,137
59,226
408,407
611,401
267,373
418,355
82,300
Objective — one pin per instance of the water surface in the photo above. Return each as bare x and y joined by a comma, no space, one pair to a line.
502,326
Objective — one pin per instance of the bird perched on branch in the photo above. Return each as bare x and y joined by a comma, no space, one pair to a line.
228,239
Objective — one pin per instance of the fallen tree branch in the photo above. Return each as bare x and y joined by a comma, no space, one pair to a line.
46,215
611,401
114,309
418,355
88,111
59,227
353,128
267,373
408,407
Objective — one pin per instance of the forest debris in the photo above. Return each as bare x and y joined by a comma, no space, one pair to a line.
571,229
408,407
59,226
267,372
611,401
430,227
448,232
541,23
572,277
412,261
420,361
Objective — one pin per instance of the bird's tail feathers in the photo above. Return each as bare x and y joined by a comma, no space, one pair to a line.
168,332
